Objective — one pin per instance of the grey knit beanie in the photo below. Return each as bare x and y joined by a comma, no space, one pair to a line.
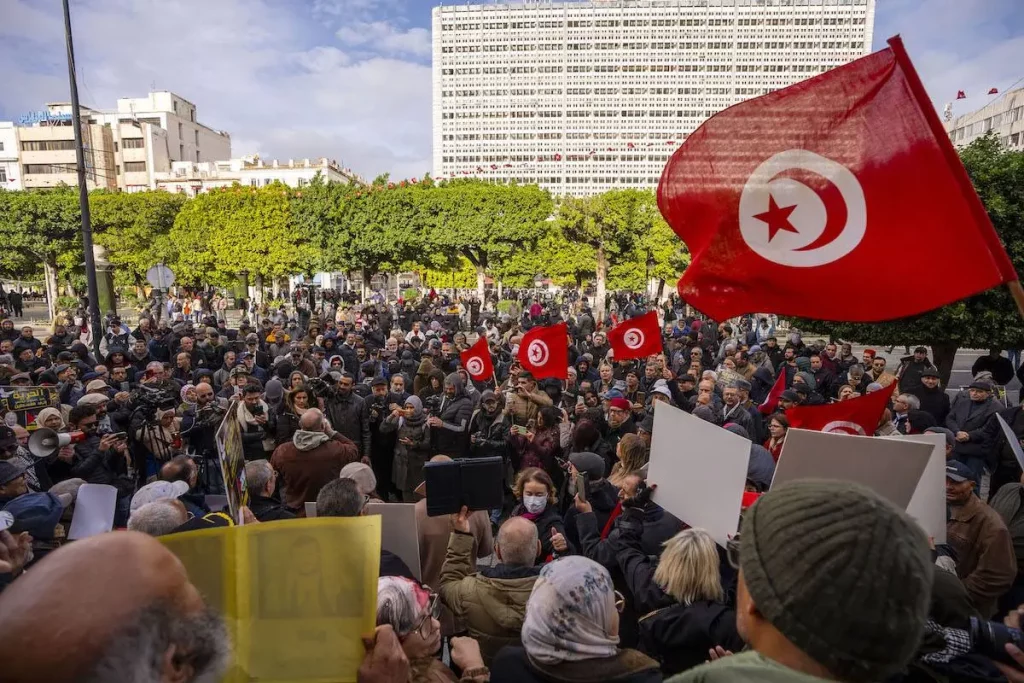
841,572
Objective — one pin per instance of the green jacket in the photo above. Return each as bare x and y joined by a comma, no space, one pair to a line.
746,667
491,602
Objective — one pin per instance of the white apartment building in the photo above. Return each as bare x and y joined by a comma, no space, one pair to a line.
191,178
10,174
124,148
589,95
1005,116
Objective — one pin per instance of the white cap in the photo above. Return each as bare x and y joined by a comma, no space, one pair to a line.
158,490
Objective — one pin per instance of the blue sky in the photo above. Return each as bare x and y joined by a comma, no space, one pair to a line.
351,80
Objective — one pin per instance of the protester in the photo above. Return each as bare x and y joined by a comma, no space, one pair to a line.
492,601
536,496
786,603
314,457
412,612
576,591
412,446
261,480
778,426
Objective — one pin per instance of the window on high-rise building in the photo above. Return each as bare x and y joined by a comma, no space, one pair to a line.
135,167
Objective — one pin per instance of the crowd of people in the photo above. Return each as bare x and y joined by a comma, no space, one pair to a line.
343,403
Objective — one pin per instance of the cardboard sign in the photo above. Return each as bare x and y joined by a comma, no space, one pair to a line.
700,470
928,504
890,467
94,511
1012,439
232,462
399,532
20,399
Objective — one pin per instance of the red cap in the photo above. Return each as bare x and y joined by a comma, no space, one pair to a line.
869,352
620,403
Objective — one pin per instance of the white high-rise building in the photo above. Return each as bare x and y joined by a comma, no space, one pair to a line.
586,96
1004,115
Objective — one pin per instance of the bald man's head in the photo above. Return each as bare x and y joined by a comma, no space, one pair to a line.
312,421
518,544
153,626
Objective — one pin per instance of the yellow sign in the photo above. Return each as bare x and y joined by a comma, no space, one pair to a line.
297,595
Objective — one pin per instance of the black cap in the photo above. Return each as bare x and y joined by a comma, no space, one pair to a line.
981,385
920,349
789,395
930,372
379,382
9,471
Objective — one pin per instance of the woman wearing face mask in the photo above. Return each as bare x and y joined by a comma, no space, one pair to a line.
535,493
413,611
412,447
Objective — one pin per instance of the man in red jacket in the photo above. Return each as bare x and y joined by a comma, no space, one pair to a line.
314,457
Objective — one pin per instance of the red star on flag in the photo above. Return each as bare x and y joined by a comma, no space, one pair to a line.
777,218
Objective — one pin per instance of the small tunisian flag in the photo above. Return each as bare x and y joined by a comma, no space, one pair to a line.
993,91
771,401
637,337
783,197
961,95
857,416
477,360
543,352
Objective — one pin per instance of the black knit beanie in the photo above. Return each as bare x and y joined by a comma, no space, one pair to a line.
841,572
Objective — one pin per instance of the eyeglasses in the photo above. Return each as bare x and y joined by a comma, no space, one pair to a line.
732,551
620,602
433,611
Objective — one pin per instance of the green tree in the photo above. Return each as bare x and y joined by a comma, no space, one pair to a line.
567,264
987,320
225,232
612,224
483,222
42,227
135,228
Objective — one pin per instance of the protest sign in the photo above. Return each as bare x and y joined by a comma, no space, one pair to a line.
232,462
296,595
928,504
700,470
1012,439
399,532
94,511
26,402
890,467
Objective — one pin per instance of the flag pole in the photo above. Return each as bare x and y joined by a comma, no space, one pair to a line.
1018,295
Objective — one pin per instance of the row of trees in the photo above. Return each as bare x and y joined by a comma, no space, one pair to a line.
512,233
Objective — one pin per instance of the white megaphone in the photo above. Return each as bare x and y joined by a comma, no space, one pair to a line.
45,442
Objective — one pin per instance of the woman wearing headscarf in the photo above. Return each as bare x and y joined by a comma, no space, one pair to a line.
413,611
540,446
188,399
571,632
682,596
412,446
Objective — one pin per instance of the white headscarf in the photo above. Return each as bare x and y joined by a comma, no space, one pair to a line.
570,613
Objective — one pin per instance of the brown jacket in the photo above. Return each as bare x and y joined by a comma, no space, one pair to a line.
304,472
492,602
984,550
522,409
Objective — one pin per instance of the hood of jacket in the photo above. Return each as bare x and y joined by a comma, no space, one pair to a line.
455,381
504,591
307,441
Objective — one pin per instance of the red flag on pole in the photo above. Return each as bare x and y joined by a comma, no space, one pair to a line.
543,352
637,337
771,401
993,91
856,416
477,360
960,95
780,197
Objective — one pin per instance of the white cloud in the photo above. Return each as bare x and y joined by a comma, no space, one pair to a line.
273,78
386,37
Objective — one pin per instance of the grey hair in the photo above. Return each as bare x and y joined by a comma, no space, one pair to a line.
339,498
137,652
396,604
158,518
913,402
362,475
517,541
856,369
258,474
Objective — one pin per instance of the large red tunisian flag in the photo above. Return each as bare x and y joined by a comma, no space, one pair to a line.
477,360
789,200
856,416
543,352
637,337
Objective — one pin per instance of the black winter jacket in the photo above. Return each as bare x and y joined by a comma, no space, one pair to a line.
349,416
